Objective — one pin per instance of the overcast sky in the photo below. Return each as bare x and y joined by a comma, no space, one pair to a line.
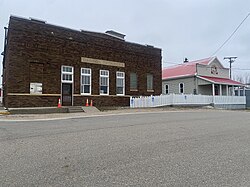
181,28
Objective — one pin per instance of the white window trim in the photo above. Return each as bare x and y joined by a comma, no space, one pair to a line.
123,90
165,88
82,74
100,82
67,73
180,88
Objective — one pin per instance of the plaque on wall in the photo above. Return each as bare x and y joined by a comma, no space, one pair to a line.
36,88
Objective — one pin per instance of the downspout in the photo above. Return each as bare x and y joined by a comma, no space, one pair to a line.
3,64
196,79
5,44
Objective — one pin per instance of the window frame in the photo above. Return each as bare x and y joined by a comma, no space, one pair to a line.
67,73
104,76
136,81
166,92
181,88
123,78
90,84
151,89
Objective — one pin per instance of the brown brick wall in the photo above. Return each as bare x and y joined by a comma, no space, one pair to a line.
17,101
32,46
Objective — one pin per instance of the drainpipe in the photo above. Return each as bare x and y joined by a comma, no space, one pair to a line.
196,80
5,44
3,63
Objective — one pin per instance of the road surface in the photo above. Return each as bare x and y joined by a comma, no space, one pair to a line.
165,148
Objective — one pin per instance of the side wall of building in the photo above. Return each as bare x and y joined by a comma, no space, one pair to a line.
173,85
37,51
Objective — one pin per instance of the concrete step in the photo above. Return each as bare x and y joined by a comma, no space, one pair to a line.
75,109
90,109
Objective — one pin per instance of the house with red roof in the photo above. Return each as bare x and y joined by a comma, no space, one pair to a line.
206,77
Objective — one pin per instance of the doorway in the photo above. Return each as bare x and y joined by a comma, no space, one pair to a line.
67,94
216,89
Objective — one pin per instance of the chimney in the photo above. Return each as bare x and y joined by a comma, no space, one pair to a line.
185,60
116,34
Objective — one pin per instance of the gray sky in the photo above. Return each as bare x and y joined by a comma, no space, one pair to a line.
181,28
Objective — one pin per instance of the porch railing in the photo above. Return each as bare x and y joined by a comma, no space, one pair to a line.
184,99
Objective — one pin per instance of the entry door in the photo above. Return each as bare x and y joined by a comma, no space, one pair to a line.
67,94
216,89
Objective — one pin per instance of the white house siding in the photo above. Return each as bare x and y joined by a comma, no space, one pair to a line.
206,71
205,89
202,82
189,85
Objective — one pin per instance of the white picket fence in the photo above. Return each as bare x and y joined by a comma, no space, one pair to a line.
184,99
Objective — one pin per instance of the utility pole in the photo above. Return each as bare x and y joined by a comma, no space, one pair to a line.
231,60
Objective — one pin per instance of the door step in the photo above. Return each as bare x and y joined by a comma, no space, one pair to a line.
75,109
90,109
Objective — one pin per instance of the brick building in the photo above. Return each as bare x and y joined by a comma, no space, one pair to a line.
44,62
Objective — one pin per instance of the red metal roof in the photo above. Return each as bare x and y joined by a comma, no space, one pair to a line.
185,69
217,80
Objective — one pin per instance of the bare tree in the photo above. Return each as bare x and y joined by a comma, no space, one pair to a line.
243,78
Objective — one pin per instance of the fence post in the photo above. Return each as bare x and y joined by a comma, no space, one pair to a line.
172,101
152,100
131,102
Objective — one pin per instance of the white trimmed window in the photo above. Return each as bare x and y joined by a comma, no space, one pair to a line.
181,88
149,81
120,83
67,74
166,89
104,82
86,81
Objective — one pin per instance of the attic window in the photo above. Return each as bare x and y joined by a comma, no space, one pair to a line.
214,70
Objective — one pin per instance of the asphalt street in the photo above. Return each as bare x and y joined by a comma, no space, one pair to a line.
165,148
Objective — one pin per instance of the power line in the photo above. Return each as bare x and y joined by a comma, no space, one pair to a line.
231,34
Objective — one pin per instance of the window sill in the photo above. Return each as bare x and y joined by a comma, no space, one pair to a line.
150,91
133,90
120,94
85,93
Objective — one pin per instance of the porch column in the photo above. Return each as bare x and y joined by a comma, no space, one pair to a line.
213,91
233,93
244,91
220,89
227,90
